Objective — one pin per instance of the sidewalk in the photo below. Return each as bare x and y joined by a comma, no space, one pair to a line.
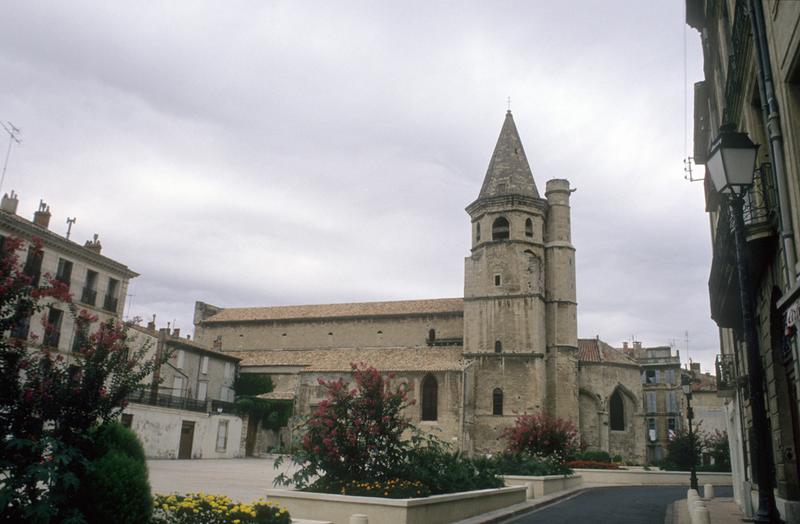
722,510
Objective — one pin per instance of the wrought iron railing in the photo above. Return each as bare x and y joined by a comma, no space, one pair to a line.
761,200
726,372
110,304
221,406
740,43
89,296
167,401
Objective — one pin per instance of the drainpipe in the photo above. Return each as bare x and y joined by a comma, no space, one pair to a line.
464,369
769,109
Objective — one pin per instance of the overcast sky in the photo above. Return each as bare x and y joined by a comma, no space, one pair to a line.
270,153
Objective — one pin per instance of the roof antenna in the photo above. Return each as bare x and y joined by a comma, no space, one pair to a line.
70,221
508,100
13,136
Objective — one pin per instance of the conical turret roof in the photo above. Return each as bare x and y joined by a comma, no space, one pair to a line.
509,172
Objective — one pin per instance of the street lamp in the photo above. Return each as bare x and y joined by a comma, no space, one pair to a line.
686,386
731,164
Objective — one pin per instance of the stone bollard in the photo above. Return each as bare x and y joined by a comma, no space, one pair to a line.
700,514
708,491
358,518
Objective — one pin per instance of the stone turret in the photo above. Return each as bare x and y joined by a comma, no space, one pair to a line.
562,324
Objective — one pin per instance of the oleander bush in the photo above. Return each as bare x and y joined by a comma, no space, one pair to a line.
358,437
594,456
201,508
544,435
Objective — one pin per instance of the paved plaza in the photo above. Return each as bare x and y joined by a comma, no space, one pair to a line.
241,479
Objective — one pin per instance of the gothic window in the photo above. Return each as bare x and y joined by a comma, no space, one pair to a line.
478,232
430,398
529,228
616,411
497,401
498,346
500,229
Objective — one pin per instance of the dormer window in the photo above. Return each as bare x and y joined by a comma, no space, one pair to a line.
529,228
500,229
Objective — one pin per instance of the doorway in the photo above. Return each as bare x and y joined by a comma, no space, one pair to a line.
187,436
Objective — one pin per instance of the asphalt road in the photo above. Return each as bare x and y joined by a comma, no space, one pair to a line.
616,505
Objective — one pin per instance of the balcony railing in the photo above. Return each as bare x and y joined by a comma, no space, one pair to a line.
740,42
110,304
453,341
761,201
220,406
89,296
726,374
167,401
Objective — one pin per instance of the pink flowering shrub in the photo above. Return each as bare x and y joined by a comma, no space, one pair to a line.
355,433
544,435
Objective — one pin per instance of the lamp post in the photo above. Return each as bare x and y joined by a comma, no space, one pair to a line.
731,164
686,386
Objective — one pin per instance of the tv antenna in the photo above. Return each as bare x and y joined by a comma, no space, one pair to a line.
13,136
70,221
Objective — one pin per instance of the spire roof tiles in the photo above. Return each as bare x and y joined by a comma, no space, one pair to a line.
509,172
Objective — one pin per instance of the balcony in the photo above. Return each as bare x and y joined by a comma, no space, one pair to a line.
167,400
110,304
89,296
726,375
741,39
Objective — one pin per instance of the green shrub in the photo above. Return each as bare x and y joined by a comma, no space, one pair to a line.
543,434
442,471
595,456
528,465
116,488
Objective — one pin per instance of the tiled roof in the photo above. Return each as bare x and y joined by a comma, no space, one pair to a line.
339,359
595,350
704,382
356,309
184,342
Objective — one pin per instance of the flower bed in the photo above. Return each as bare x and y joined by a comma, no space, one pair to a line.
430,510
200,508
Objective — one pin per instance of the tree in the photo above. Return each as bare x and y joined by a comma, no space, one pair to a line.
684,450
49,404
267,413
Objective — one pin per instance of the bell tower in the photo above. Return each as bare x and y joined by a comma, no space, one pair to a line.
505,297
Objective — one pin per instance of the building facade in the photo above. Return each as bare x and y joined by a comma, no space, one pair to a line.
508,347
751,60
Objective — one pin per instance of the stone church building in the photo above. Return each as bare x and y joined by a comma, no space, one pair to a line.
473,364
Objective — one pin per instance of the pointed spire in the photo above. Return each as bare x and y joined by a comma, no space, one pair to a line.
509,172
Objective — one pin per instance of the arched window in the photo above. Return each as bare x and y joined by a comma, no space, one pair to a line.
432,335
529,228
500,229
498,346
616,411
497,401
478,232
430,397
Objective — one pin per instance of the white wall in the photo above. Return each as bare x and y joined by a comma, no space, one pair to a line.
159,429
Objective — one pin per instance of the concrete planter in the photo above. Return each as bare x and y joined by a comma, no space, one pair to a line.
435,509
540,486
640,477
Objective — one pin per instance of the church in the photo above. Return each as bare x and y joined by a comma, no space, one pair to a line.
473,364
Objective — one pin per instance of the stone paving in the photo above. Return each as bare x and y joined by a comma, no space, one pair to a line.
721,510
240,479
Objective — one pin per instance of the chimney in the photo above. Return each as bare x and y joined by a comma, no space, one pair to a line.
152,324
625,345
637,344
42,217
694,367
94,245
176,332
9,203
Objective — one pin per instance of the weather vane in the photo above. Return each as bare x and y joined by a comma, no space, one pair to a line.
13,136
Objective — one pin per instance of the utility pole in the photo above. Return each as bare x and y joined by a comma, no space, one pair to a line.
13,136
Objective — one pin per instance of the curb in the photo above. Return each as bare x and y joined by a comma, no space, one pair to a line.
504,514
